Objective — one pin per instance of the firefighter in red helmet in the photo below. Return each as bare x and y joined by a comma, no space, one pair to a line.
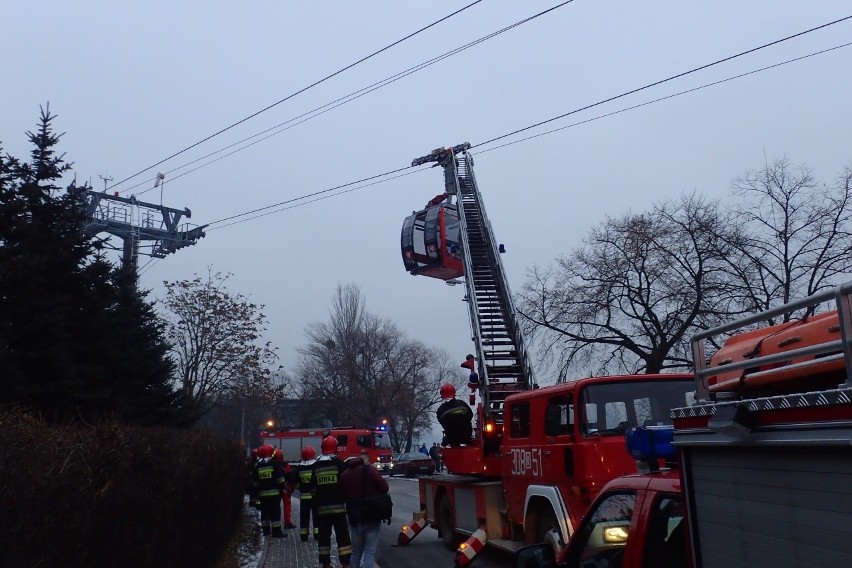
307,509
473,379
331,510
455,418
269,479
287,490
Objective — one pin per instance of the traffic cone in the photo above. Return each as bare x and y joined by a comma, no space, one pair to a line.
471,547
409,531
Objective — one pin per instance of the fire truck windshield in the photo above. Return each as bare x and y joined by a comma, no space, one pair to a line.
612,408
382,441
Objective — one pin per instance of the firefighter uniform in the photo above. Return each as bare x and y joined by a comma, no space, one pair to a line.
455,418
269,480
307,510
287,489
286,493
331,510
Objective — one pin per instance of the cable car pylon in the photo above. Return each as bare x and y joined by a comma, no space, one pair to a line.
136,222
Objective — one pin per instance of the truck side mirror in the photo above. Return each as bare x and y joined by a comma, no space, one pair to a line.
536,556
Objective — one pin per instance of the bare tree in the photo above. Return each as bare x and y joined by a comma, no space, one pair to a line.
626,300
797,237
420,373
216,343
359,368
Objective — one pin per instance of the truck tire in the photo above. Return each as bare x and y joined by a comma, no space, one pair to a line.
548,530
447,524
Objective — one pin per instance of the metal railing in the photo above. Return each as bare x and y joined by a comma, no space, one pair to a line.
841,296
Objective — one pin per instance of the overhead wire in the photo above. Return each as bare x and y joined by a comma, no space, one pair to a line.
286,201
646,103
661,81
375,177
620,111
145,267
320,110
302,90
293,206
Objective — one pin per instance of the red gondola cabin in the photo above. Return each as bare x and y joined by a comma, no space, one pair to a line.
431,242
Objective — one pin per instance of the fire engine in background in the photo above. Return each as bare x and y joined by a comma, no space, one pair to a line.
351,442
762,470
538,456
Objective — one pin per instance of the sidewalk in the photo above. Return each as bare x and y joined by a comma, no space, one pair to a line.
291,552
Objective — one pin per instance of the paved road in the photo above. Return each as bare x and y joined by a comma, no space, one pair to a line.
426,549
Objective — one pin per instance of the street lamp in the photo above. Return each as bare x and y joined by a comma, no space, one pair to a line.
270,423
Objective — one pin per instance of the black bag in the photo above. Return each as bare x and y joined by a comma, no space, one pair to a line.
378,507
372,508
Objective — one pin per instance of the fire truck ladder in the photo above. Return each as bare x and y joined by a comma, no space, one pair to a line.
503,364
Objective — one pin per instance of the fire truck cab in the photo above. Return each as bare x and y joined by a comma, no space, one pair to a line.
560,445
636,521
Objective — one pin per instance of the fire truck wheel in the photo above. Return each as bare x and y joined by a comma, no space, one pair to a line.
548,530
447,524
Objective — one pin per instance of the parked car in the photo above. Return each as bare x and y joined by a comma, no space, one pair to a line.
411,464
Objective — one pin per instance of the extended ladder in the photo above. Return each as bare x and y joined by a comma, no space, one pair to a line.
503,365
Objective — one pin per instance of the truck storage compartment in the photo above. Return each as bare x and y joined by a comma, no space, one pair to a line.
779,506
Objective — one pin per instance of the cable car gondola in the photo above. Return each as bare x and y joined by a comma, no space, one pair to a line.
431,241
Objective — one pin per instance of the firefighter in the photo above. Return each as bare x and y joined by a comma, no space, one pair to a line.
455,418
473,379
287,490
437,200
331,511
469,362
269,479
307,509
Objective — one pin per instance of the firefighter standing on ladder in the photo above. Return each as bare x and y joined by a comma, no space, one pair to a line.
331,510
455,418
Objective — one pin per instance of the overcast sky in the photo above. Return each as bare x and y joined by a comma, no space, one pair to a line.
133,83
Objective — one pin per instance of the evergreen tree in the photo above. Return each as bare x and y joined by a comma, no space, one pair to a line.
76,339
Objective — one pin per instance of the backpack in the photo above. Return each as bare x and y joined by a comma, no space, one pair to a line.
377,507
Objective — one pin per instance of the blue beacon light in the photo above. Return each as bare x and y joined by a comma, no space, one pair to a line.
651,442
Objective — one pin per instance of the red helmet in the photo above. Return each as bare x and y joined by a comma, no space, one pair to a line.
278,454
265,452
448,391
308,453
329,445
254,452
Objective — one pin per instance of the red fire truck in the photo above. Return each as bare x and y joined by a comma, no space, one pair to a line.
538,456
762,470
351,442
